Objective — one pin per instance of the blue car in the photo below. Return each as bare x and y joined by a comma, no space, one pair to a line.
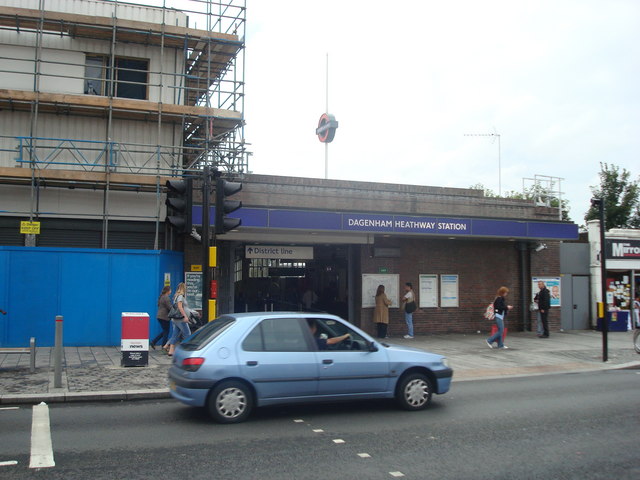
246,360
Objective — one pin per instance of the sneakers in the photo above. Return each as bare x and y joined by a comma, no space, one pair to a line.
488,344
408,336
504,347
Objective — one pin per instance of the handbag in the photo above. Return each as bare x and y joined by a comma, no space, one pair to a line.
410,307
533,307
174,313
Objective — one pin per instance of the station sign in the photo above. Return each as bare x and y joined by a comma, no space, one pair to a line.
283,252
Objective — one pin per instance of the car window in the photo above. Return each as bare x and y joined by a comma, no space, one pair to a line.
277,335
207,333
329,328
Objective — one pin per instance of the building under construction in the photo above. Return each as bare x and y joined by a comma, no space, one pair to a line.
101,101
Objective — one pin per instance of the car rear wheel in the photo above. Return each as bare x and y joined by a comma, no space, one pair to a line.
230,402
414,391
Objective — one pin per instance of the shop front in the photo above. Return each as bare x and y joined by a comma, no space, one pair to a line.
622,254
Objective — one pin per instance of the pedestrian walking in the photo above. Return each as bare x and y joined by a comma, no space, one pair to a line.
381,312
636,311
162,315
180,324
409,304
500,309
544,304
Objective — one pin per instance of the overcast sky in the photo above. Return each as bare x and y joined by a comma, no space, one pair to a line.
558,80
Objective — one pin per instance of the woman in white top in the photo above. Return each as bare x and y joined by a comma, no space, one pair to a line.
409,304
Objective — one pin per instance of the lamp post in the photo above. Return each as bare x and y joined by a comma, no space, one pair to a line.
599,202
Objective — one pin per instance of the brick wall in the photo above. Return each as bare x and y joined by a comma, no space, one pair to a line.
482,266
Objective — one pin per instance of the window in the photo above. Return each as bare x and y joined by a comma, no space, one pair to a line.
267,267
277,335
94,75
130,77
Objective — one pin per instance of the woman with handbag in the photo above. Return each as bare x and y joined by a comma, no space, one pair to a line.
409,303
164,305
381,312
179,317
501,309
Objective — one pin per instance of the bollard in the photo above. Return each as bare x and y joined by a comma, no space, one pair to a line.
57,354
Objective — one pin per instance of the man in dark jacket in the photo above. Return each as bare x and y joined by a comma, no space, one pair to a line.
544,304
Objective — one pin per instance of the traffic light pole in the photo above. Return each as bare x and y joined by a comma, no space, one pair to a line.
206,280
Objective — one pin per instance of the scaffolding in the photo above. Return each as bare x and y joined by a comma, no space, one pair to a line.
120,95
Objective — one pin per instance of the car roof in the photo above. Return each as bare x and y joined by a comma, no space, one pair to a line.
284,314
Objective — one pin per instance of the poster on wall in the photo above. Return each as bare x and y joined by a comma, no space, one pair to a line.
552,283
193,283
428,293
449,291
370,282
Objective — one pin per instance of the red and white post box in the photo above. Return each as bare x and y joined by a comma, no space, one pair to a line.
135,339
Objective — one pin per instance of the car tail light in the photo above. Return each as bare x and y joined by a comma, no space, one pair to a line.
192,364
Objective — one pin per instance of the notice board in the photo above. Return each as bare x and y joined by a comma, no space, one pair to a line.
370,282
193,283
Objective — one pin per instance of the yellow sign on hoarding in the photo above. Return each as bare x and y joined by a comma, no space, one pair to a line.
196,268
30,228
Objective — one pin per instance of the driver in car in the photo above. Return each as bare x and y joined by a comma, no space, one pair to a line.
323,343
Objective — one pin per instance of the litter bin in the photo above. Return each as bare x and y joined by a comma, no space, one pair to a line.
134,344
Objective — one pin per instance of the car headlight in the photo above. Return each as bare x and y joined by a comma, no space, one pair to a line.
445,362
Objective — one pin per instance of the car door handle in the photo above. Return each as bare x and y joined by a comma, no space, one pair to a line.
252,363
327,362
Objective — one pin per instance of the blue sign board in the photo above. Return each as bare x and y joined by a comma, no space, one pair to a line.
385,223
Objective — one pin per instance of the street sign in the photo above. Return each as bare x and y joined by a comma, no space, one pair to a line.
30,228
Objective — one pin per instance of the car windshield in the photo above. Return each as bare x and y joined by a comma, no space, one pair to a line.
207,333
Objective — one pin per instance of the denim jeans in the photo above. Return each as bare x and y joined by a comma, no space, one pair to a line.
498,335
408,317
180,328
539,330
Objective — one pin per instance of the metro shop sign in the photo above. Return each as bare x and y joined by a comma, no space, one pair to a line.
623,249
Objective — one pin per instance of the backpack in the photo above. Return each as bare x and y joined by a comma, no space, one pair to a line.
490,313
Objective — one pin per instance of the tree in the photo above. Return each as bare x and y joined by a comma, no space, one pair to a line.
620,195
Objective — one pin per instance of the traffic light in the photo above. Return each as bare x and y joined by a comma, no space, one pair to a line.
179,205
225,189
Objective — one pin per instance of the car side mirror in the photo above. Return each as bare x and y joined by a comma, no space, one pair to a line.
372,347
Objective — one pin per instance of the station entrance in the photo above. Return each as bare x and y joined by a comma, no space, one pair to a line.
318,284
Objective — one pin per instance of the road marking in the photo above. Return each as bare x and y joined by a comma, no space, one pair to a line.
9,408
338,440
364,455
41,446
298,420
8,463
396,474
318,430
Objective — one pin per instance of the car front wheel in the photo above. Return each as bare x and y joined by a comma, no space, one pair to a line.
414,391
230,402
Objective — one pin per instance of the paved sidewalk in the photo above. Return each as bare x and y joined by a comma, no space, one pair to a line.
94,373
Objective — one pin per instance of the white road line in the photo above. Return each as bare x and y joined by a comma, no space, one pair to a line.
41,446
364,455
318,430
396,474
9,408
338,440
8,463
